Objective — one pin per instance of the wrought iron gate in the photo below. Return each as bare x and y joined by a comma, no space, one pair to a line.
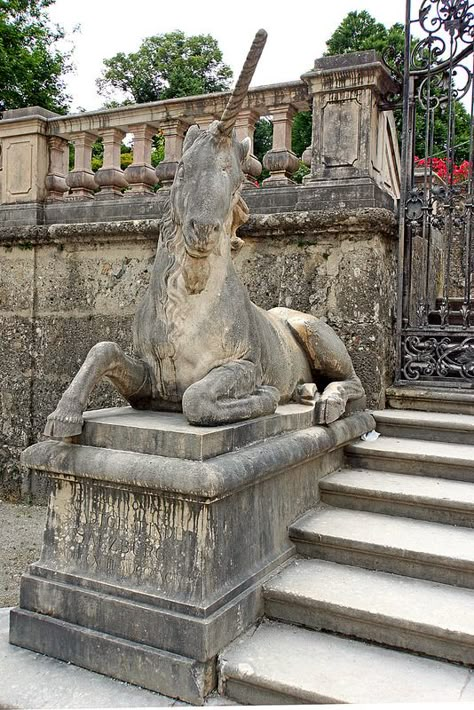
436,279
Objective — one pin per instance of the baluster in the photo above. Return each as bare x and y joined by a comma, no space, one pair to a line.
280,160
81,179
110,177
245,127
173,132
141,175
58,167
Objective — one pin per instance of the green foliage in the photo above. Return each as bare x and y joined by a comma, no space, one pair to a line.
166,66
301,133
262,138
300,173
158,150
31,65
359,31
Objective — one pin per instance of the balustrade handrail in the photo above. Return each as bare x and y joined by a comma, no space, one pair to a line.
351,138
259,98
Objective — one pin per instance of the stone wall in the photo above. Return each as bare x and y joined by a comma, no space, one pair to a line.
65,287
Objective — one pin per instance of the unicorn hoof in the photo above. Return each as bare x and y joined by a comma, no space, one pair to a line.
63,426
329,410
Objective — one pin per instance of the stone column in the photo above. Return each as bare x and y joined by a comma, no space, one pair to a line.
110,176
25,151
140,174
347,120
58,168
245,127
173,132
81,179
280,160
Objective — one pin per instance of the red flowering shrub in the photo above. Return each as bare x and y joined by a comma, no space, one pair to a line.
440,167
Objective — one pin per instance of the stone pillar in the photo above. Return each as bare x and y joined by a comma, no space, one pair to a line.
58,168
24,139
140,174
173,132
81,179
347,120
245,127
280,160
110,176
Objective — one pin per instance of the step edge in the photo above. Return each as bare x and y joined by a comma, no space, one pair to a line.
360,451
413,422
390,496
388,552
422,629
279,690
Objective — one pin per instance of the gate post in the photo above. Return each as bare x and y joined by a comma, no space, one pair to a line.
354,145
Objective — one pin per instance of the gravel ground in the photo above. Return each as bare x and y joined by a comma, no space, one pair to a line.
21,533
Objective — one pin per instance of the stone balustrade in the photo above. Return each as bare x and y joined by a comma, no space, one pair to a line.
353,149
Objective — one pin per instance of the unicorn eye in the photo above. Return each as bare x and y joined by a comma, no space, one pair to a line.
180,171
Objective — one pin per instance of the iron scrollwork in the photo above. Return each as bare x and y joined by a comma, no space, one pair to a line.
436,325
438,356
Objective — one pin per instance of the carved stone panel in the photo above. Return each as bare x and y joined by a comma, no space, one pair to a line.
19,162
340,128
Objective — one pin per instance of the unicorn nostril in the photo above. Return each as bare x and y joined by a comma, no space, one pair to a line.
203,230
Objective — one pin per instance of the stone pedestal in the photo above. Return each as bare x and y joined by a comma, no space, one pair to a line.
160,535
354,143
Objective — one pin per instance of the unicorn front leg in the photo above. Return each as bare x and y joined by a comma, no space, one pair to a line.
129,375
227,394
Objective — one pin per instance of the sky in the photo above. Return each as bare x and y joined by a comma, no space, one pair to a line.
297,32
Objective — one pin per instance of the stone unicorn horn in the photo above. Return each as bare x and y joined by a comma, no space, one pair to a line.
239,93
200,345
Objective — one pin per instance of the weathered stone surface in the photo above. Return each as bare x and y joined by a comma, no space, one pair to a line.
143,553
283,665
401,612
87,278
33,680
147,667
123,428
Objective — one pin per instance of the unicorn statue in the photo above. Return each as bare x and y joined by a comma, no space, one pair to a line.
200,345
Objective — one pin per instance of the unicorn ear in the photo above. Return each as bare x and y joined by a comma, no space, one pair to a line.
191,136
245,147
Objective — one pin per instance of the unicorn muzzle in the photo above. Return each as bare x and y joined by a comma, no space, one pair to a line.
200,237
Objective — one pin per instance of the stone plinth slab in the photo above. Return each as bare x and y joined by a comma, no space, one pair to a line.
124,428
152,564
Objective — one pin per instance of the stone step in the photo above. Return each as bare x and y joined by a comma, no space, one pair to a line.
431,399
414,456
281,664
435,499
421,616
414,548
428,426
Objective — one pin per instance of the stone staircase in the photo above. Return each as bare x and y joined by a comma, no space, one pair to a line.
379,604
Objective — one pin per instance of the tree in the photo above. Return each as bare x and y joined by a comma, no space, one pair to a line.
31,65
166,66
359,31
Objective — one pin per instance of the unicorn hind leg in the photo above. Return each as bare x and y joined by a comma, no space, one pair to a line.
329,359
